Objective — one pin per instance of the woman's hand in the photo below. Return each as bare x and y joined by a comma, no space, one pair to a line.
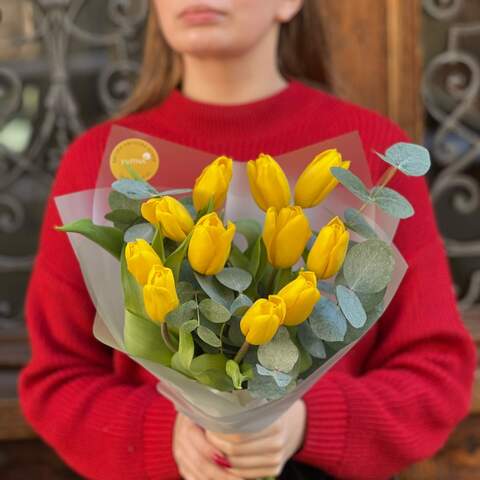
196,457
264,454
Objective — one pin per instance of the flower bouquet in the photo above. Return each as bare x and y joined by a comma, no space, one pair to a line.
239,317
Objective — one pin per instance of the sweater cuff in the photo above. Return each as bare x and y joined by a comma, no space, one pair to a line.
158,426
326,426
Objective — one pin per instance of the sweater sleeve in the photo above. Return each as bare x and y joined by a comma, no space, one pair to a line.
416,385
103,425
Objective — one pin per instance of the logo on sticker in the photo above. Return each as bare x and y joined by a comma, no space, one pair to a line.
134,154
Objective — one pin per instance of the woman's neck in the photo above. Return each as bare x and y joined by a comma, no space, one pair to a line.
234,80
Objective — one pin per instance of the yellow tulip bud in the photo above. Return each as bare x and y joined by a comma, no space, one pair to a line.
213,182
261,321
268,183
316,181
210,244
172,215
285,235
159,294
328,252
141,257
300,297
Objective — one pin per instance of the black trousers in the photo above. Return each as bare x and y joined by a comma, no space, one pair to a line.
300,471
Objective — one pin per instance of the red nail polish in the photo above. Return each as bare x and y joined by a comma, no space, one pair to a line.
221,461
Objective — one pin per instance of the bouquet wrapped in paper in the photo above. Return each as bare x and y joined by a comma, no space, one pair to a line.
238,285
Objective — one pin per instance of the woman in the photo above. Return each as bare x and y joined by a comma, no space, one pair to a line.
222,76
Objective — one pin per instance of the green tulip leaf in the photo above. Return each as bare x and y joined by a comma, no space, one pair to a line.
392,202
158,243
281,379
250,229
208,336
175,259
174,192
369,300
235,278
351,306
135,189
182,314
141,230
213,311
118,201
351,182
280,353
143,339
409,158
327,321
215,290
109,238
356,222
369,266
182,360
233,371
310,342
240,305
209,369
238,259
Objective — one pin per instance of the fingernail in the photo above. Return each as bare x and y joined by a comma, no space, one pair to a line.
221,461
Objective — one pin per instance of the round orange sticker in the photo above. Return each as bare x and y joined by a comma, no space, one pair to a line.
134,154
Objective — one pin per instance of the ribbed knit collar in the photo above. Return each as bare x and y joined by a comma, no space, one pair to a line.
259,117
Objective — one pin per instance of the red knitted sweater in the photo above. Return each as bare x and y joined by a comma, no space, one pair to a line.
391,401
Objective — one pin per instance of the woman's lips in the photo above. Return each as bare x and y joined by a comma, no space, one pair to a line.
201,15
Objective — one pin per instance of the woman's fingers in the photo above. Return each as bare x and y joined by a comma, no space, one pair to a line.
266,445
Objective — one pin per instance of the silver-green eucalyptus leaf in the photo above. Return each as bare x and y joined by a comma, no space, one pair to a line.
280,353
351,306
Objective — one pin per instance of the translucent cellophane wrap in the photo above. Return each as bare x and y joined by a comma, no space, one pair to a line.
178,167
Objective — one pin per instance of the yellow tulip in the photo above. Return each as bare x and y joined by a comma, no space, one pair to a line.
210,244
159,294
268,183
261,321
172,215
329,250
213,182
285,235
141,257
316,181
300,297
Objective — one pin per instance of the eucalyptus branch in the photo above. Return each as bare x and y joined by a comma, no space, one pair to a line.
386,177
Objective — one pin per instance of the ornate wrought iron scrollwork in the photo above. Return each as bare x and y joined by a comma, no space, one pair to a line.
451,93
58,34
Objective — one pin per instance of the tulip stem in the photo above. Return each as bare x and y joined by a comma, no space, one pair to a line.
386,177
242,352
167,338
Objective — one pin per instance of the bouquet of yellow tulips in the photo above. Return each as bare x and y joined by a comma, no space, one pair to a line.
232,314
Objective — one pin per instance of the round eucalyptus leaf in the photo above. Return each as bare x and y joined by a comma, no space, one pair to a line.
134,189
280,378
185,291
327,321
392,202
409,158
351,306
368,266
213,311
356,222
310,342
235,278
208,336
280,353
215,290
240,305
351,182
142,230
182,314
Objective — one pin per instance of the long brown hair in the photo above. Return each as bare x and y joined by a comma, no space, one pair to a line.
302,54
